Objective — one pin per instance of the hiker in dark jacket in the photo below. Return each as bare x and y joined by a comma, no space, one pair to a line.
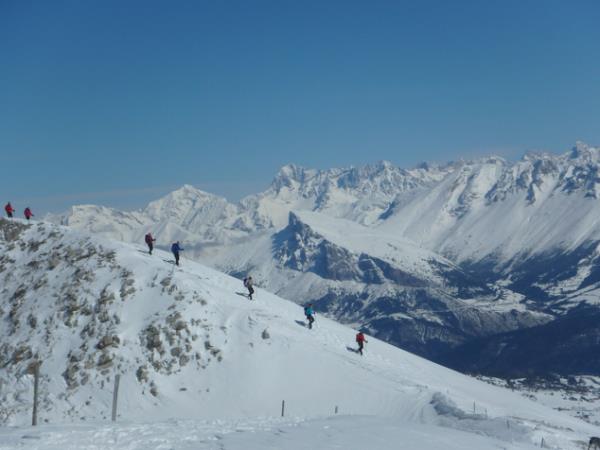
175,248
9,209
149,242
28,214
249,283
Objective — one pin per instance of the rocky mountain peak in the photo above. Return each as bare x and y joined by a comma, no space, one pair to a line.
288,176
183,202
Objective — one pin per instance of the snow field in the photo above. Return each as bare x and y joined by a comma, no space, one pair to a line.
343,432
251,356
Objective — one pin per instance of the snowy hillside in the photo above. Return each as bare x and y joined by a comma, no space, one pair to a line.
521,238
397,291
189,345
533,206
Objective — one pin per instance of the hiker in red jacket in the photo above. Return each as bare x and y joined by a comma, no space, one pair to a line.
150,242
360,340
9,209
28,213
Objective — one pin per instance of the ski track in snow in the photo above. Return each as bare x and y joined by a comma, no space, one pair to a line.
341,432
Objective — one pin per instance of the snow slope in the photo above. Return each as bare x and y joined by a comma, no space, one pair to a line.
502,220
486,237
188,345
493,208
404,294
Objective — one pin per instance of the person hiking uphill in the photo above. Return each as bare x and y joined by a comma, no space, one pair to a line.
309,312
249,284
360,340
149,242
175,248
9,210
27,213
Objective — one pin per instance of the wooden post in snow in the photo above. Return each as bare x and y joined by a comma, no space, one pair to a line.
115,397
282,408
36,386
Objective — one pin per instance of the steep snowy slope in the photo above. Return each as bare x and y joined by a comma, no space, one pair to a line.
401,293
494,216
188,345
532,225
533,206
521,235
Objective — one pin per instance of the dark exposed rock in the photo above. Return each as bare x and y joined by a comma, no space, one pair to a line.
10,231
108,341
21,353
142,374
104,361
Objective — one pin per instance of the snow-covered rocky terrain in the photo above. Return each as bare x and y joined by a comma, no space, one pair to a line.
201,366
430,258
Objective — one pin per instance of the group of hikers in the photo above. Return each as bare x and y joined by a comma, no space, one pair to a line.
175,247
309,312
176,250
10,211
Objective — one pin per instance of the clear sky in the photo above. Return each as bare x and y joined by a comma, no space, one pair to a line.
118,102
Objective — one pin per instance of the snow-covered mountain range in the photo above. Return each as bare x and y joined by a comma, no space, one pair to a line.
187,344
427,258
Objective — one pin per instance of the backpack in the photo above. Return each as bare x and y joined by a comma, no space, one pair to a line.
246,282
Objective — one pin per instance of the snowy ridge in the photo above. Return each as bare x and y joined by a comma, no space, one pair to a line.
503,238
533,206
188,346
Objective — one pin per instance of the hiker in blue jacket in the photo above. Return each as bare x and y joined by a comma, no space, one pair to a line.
175,248
309,312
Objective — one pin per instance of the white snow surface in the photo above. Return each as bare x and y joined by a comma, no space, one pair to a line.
242,358
342,432
487,210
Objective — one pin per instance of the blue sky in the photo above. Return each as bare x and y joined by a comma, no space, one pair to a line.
118,102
